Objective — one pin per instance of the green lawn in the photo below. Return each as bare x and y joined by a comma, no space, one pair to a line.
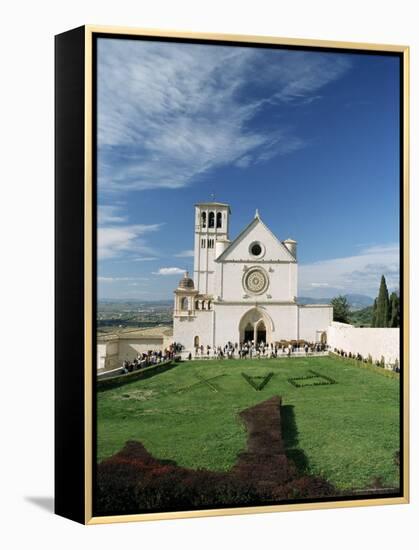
348,432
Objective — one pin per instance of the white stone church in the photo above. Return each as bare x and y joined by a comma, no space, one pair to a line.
242,289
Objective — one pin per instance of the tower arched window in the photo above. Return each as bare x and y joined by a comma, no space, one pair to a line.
219,219
184,304
211,219
204,219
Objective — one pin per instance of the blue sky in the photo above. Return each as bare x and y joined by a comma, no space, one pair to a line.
308,138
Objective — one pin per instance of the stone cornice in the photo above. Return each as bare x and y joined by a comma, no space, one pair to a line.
253,303
253,261
314,305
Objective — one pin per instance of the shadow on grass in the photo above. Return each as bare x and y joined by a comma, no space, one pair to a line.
290,437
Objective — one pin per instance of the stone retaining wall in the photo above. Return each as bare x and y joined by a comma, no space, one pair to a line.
377,342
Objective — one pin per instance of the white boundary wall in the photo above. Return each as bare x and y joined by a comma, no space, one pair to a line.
376,342
112,353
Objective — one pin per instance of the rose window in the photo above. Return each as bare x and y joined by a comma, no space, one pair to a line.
256,281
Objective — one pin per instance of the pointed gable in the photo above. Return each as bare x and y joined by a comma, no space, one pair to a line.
239,249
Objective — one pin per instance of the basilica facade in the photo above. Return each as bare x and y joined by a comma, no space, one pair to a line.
243,289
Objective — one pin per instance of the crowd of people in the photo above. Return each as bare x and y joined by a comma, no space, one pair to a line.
150,358
252,350
378,363
246,350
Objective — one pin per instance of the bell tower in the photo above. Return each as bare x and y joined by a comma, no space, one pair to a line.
211,226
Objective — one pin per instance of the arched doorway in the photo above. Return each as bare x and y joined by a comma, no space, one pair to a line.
256,325
249,333
261,332
196,342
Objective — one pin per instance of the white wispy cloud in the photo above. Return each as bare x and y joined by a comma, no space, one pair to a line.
170,113
109,214
114,241
185,254
353,274
169,271
117,239
104,279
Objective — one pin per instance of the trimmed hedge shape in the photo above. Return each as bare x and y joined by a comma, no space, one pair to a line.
252,380
309,380
200,381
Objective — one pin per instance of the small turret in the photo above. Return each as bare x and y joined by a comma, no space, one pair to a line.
186,283
291,245
185,297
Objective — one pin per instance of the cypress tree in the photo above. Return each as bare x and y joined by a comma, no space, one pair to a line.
394,311
374,313
383,306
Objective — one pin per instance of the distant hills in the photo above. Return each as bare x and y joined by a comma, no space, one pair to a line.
356,301
361,317
134,301
304,300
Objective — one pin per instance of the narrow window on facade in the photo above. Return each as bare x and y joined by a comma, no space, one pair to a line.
184,304
204,219
203,243
219,219
211,219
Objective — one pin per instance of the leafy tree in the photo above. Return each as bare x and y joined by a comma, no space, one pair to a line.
394,310
341,309
382,317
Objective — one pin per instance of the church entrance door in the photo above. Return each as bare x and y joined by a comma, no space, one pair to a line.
255,326
261,333
249,333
